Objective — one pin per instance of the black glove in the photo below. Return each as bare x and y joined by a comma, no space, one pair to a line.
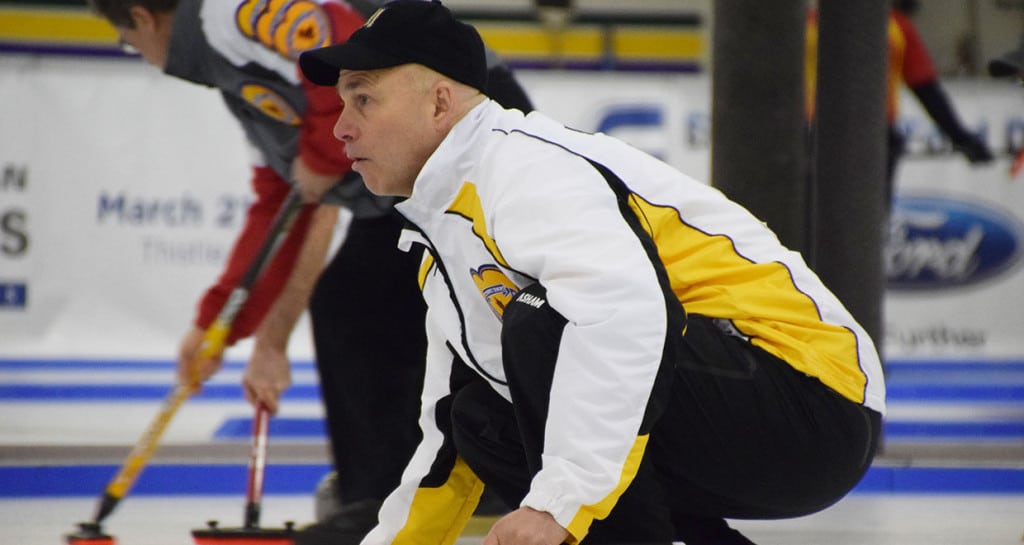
937,104
974,149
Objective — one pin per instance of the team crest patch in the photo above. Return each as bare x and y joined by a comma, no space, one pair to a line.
270,103
289,27
247,14
495,286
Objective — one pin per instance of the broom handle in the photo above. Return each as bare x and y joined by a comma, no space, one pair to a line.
214,341
257,467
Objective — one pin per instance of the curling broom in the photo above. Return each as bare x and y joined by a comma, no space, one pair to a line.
214,340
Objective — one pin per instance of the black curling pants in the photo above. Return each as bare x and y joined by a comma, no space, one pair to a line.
742,435
367,316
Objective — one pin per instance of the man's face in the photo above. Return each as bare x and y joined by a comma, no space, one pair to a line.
387,126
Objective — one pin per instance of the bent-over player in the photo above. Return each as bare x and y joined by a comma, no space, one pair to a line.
366,310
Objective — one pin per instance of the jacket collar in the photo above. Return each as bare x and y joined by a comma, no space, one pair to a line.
453,163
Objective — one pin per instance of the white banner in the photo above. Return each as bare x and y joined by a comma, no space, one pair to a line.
123,189
954,257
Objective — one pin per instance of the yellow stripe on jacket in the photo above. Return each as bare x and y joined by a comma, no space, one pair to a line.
761,300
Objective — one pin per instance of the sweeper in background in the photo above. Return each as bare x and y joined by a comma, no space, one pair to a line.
909,65
366,310
618,350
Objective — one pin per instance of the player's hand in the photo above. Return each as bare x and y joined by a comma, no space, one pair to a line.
193,370
266,377
526,526
975,150
312,184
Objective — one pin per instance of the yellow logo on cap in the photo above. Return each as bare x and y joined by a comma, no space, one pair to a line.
270,103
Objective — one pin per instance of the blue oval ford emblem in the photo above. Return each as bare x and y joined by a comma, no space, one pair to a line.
937,242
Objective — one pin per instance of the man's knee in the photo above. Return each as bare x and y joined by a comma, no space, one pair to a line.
486,436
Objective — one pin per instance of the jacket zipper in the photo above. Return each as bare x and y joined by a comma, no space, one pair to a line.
429,246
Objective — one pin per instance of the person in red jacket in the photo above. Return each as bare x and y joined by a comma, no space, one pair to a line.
366,308
911,65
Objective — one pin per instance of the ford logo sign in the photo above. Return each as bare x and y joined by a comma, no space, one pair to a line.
937,242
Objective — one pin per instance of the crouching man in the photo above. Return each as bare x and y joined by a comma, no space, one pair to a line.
616,349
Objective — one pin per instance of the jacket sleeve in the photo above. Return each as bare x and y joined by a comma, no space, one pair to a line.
921,77
438,492
271,191
317,144
934,100
599,276
918,68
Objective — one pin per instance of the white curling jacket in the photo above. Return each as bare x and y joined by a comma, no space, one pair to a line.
508,200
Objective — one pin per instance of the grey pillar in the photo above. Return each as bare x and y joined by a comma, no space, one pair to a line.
850,149
758,139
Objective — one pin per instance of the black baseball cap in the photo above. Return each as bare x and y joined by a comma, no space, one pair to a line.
1010,63
404,32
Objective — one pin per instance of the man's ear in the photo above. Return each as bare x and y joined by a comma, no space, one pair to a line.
444,100
142,18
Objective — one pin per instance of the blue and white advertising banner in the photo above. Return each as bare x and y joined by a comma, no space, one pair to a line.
122,191
956,236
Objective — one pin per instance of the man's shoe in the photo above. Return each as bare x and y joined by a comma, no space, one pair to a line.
348,526
326,500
